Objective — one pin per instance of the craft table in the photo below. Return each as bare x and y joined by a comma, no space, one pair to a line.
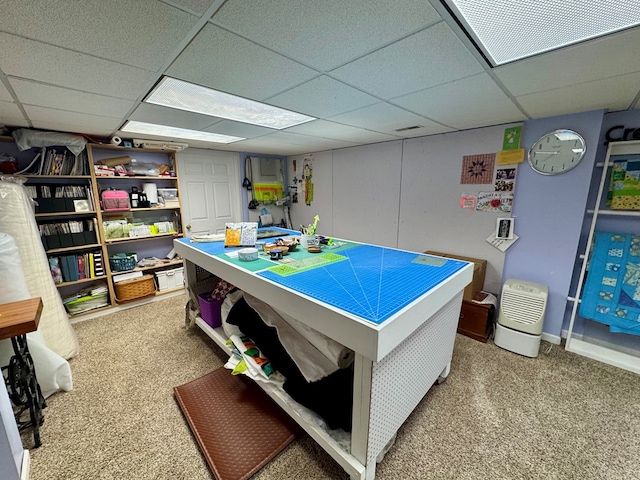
397,310
16,320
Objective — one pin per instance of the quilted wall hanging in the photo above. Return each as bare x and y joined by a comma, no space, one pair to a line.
478,169
612,290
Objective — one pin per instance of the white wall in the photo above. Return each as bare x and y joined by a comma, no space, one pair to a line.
322,205
366,192
405,194
430,213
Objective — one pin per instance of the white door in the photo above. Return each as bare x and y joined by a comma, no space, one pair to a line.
210,190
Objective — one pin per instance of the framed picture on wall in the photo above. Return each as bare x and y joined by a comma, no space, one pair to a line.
504,228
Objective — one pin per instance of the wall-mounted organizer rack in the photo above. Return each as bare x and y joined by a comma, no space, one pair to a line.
82,246
607,304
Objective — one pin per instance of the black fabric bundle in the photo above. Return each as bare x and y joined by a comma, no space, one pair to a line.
330,397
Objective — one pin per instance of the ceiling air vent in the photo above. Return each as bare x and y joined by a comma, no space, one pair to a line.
409,128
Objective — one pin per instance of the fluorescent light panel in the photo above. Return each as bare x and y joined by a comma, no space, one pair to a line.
508,30
174,93
174,132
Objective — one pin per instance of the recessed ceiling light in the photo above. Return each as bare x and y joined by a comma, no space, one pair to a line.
174,132
508,30
174,93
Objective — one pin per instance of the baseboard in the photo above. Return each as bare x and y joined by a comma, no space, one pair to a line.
26,465
547,337
127,306
603,354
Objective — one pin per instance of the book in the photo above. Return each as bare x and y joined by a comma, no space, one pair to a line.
64,265
92,266
56,272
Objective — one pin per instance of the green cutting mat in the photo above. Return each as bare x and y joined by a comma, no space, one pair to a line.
256,265
307,264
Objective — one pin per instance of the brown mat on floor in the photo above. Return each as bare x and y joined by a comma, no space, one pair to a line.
238,427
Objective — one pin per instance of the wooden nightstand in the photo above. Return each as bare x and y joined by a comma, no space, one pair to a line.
476,319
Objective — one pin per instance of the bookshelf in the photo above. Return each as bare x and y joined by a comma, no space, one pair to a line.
152,168
67,192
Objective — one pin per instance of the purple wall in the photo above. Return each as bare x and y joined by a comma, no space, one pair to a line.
549,212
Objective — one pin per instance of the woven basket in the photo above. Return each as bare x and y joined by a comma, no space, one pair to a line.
121,262
135,288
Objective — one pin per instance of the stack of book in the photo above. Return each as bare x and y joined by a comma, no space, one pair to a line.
93,296
71,268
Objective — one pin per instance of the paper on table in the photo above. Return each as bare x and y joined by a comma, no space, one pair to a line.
501,243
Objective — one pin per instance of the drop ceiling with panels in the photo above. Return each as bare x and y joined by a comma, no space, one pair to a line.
366,69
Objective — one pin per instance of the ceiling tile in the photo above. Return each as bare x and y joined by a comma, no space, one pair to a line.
387,118
226,62
362,136
615,93
150,113
608,56
327,34
256,145
324,129
41,95
44,63
72,121
304,140
138,33
11,116
322,97
238,129
198,6
470,102
431,57
5,96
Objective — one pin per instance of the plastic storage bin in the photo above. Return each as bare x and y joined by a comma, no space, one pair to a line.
168,192
169,279
210,309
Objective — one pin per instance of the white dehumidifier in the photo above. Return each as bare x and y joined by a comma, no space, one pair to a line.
522,308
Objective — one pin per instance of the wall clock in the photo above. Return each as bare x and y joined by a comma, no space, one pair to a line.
557,152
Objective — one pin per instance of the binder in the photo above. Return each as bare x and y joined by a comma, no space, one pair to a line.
64,265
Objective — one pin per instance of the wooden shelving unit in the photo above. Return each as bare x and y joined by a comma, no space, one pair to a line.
92,184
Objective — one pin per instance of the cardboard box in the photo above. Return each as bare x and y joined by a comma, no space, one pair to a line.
479,271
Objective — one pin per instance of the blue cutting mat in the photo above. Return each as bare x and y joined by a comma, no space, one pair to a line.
373,283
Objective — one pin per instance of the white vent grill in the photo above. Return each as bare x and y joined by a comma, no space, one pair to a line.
523,305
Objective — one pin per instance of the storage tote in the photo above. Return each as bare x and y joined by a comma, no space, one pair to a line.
169,279
210,309
115,201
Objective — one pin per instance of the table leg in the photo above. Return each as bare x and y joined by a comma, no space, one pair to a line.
23,387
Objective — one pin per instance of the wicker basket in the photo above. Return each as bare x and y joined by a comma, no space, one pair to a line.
135,288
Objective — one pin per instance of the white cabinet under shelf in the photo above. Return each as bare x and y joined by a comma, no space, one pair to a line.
604,348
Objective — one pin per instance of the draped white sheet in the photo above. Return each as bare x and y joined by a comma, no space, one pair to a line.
53,371
17,219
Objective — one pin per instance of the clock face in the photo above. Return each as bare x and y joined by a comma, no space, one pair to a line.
557,152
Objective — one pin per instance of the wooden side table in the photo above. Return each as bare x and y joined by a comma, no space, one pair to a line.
476,319
16,320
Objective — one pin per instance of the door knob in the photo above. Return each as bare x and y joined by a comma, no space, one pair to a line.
188,227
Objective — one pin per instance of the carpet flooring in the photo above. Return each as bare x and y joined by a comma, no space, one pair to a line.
497,416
